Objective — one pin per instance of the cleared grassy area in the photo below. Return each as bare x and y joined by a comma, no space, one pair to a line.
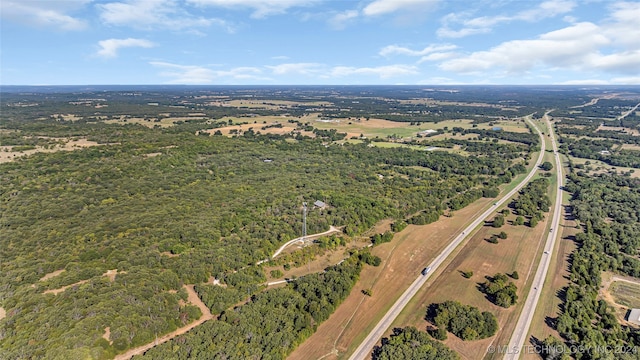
599,167
7,153
270,104
625,293
382,128
152,122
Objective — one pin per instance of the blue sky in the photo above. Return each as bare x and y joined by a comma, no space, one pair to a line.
299,42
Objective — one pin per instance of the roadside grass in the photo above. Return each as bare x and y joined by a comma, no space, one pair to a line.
518,252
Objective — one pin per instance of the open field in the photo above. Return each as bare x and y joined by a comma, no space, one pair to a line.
7,154
382,128
599,167
625,293
268,104
320,263
153,122
625,130
433,102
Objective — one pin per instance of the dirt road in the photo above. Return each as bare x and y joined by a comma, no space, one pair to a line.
193,299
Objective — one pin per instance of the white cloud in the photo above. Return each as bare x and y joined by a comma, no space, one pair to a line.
109,48
194,74
384,72
485,24
437,56
261,8
622,25
340,20
152,14
381,7
577,47
584,82
44,13
395,49
629,80
297,68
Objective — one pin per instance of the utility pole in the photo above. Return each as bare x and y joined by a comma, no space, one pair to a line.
304,222
304,228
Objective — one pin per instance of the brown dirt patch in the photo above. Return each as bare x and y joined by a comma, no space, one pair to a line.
59,290
107,335
111,274
169,254
3,313
51,275
7,154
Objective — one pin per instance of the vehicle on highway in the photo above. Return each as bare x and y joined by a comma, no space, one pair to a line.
426,270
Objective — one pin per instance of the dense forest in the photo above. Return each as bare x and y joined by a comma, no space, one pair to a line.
411,343
607,206
464,321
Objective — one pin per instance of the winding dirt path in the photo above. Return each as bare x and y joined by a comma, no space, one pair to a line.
193,299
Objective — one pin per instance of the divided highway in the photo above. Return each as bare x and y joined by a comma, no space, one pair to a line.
519,335
364,350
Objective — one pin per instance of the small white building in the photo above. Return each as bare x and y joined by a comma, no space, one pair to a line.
427,132
319,204
634,316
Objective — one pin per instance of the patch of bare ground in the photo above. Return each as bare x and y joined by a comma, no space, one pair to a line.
239,129
111,274
59,290
51,275
214,281
318,264
7,154
3,313
169,254
192,299
107,335
403,258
